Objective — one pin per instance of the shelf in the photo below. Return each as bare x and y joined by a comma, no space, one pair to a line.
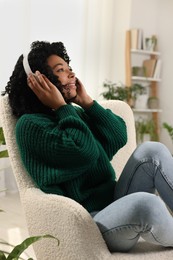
146,110
145,52
138,56
145,79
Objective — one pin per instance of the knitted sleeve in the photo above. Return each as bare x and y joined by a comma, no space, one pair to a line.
64,142
109,129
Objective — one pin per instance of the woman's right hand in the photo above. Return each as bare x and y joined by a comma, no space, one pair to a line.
46,92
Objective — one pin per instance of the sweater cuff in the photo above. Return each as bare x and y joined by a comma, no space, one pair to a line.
65,111
95,109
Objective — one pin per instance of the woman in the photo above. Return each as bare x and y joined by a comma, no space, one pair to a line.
67,150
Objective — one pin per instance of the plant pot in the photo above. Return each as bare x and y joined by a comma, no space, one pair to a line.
138,71
141,102
153,103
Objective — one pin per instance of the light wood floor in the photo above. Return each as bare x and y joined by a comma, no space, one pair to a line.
12,223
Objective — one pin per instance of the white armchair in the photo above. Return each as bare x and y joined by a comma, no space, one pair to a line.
79,236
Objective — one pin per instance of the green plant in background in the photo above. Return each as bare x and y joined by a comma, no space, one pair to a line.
3,153
118,91
169,129
19,249
145,127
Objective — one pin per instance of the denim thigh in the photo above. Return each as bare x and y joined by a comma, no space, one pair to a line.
138,214
149,168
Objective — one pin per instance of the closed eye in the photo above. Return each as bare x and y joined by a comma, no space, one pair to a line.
60,70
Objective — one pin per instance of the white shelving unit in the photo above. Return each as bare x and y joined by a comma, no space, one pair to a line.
138,110
140,55
145,52
136,78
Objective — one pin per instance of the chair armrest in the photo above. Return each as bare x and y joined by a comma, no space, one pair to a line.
68,221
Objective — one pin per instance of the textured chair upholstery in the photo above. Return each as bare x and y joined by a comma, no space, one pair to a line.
64,218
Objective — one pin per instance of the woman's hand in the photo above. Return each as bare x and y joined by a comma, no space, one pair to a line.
46,92
82,99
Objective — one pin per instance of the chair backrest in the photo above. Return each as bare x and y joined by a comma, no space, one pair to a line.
8,122
23,179
123,110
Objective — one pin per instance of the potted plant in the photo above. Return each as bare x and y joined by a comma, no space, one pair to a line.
121,92
141,97
145,130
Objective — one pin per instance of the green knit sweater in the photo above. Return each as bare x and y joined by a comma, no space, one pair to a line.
69,153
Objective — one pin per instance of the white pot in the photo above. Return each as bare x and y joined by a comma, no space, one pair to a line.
141,102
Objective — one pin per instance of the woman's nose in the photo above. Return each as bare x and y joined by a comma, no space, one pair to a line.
71,74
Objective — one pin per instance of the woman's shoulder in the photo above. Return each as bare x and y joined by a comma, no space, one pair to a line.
36,119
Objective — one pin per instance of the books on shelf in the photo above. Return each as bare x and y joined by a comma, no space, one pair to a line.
139,42
157,70
149,67
136,38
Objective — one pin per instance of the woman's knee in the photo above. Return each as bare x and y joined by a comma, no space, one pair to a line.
151,149
149,206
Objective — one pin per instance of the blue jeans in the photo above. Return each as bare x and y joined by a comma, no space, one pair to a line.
137,211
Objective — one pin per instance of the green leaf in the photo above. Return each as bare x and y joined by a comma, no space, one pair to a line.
19,249
2,256
2,138
169,128
4,154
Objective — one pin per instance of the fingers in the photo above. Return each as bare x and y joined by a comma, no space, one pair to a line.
33,84
79,83
37,82
46,92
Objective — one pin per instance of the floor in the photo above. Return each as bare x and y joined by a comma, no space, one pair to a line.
12,223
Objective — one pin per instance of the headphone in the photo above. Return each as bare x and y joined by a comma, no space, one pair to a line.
26,66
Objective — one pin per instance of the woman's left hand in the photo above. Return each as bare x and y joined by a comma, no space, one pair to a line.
82,99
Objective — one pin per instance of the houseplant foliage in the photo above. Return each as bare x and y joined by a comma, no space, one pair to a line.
3,153
19,249
144,127
121,92
169,129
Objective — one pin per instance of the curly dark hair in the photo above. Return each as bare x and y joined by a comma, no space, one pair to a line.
22,99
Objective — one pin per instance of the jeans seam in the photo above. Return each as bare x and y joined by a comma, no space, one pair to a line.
156,163
165,177
158,240
110,231
162,172
137,166
107,232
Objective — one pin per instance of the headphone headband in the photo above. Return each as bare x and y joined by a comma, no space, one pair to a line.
26,66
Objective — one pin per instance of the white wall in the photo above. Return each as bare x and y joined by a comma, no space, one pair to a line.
155,17
164,25
30,20
85,27
14,35
94,34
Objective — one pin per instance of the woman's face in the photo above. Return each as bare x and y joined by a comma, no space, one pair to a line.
65,75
